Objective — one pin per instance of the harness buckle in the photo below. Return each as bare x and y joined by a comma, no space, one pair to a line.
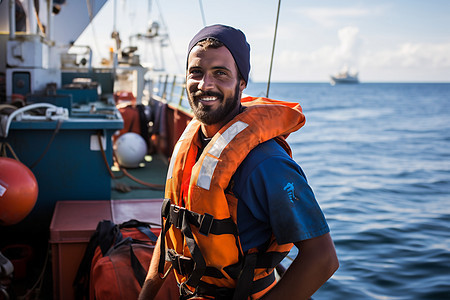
185,292
206,224
182,264
177,215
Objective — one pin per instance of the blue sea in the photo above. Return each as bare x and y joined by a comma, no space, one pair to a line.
377,156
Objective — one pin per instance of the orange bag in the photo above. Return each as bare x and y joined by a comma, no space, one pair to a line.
121,273
116,262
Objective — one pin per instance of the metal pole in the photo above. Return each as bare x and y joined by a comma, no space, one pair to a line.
273,49
49,31
32,20
203,13
12,19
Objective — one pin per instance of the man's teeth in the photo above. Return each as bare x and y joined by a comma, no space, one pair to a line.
208,98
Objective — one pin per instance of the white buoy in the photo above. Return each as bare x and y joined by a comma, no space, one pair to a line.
130,149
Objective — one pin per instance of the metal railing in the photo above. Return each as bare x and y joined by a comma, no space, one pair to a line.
170,88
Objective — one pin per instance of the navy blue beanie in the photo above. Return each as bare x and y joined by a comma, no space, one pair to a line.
233,39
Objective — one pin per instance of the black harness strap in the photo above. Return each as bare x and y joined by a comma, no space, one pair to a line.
165,209
199,261
262,283
270,259
223,293
180,263
245,279
206,222
195,268
218,293
245,284
185,265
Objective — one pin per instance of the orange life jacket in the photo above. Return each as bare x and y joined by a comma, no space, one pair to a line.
200,212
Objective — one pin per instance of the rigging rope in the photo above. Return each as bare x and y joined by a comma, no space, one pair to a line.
273,48
90,8
41,27
179,65
158,187
203,13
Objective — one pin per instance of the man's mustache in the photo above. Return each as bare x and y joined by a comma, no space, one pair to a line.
207,94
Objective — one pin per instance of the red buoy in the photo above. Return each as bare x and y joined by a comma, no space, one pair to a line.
18,191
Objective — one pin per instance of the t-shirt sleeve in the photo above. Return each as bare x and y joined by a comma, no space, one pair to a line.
277,195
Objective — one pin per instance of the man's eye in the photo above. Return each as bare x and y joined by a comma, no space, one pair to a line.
195,72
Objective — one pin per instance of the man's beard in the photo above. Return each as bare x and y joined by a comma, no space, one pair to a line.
209,116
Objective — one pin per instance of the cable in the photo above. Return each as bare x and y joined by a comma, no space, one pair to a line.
273,48
19,111
58,126
41,27
3,153
158,187
99,136
203,13
179,66
90,8
5,131
4,106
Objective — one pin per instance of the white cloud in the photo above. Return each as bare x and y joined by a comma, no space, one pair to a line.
328,16
406,62
411,55
349,47
331,57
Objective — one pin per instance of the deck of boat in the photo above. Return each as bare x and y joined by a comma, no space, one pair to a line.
47,269
151,172
123,188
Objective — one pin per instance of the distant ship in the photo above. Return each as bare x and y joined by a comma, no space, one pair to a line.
344,76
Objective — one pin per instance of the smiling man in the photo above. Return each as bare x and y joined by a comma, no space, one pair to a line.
214,84
236,202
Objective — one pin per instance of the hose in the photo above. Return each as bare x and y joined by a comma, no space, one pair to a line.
158,187
5,127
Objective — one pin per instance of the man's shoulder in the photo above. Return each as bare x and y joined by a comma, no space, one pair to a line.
269,152
267,149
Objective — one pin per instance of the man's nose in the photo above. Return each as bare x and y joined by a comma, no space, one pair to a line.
206,83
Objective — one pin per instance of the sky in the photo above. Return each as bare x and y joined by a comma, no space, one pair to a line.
384,40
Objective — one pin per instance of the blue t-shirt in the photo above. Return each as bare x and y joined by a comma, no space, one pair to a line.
274,196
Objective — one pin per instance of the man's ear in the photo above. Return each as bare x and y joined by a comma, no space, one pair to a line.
242,85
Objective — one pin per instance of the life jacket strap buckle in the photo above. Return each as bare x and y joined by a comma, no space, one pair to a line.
206,224
185,292
180,263
177,214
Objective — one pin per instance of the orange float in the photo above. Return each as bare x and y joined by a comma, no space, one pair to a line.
18,191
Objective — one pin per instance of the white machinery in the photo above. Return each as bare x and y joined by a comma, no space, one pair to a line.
32,39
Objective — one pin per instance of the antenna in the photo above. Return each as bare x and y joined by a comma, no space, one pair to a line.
203,13
273,48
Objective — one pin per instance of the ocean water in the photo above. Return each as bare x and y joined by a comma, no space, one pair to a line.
377,156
